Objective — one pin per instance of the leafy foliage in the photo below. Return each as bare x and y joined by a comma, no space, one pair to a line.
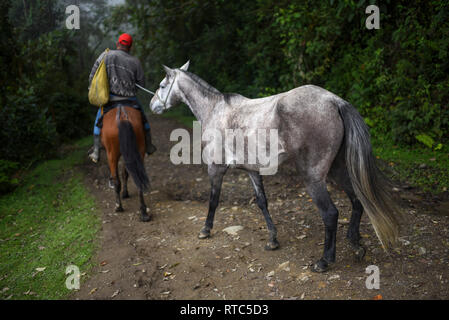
7,170
45,85
43,109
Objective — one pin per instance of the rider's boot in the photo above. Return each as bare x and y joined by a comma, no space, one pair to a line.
149,147
95,155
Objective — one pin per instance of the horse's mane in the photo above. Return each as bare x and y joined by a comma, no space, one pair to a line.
204,85
206,88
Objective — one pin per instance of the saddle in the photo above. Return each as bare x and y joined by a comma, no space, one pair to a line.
114,104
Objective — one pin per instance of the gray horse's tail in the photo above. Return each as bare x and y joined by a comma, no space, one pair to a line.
372,188
130,152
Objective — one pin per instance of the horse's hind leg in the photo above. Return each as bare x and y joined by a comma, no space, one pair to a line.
261,199
144,216
329,213
125,176
113,167
216,174
340,175
353,234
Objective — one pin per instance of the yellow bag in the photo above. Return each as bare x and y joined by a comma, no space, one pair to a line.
99,87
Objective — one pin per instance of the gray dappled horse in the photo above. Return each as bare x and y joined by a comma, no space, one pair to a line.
324,134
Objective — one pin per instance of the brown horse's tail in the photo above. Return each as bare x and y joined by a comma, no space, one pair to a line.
130,152
371,187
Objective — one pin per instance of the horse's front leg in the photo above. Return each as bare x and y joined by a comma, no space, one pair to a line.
216,174
261,199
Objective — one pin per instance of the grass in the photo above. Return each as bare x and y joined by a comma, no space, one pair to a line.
48,222
416,166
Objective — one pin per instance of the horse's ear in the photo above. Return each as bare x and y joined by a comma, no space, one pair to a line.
185,66
168,70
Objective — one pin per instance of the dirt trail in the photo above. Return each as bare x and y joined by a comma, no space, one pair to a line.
164,259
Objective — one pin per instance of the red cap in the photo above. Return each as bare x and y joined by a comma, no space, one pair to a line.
125,39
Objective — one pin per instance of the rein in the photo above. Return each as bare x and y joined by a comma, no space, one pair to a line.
146,90
164,103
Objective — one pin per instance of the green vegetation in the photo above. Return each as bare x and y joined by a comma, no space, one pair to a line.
418,167
48,222
44,72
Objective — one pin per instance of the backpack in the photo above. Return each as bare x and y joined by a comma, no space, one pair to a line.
99,88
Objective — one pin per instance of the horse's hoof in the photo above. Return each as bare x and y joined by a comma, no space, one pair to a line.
151,149
320,266
272,245
119,209
145,218
125,195
359,253
359,250
204,234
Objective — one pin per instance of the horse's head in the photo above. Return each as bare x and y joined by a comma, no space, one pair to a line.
167,95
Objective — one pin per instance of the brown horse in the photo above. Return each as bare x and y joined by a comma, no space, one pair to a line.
123,134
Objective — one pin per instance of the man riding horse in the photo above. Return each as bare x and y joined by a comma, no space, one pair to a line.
124,72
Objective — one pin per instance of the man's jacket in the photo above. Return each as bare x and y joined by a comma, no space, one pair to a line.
124,71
